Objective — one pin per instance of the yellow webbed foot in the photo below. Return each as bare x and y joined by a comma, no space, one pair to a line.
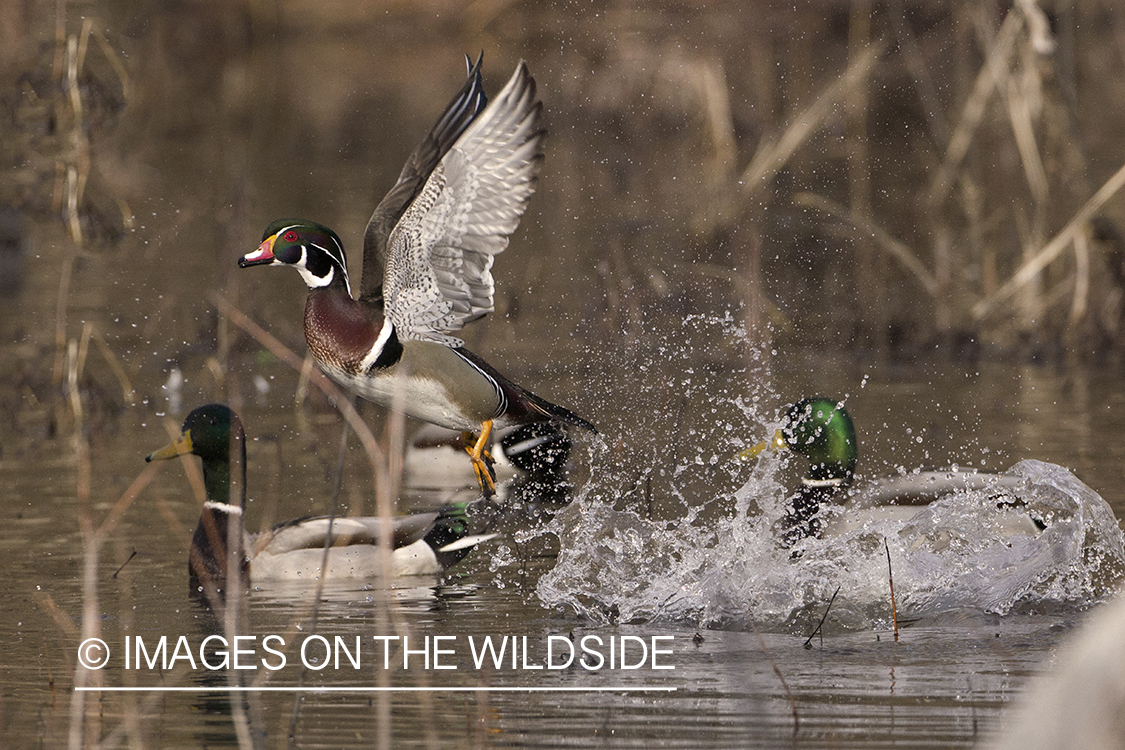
482,460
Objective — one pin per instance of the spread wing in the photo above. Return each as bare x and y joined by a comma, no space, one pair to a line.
438,275
458,115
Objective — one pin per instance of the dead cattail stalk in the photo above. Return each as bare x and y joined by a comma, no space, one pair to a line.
1021,117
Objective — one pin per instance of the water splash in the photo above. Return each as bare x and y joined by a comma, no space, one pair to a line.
715,569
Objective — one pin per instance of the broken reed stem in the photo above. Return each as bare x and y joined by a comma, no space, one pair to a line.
781,679
820,625
891,578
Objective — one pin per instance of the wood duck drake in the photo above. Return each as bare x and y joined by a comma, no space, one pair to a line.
424,543
427,254
821,430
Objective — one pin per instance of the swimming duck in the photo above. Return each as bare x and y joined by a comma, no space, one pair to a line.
424,543
427,254
821,430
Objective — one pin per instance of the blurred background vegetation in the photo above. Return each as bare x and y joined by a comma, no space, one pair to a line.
726,183
868,176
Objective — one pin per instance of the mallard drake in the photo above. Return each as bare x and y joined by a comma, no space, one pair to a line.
427,254
424,543
821,430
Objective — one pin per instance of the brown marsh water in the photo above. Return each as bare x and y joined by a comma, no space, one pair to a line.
625,295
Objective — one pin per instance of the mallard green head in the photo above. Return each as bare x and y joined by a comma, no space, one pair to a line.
208,433
821,430
313,249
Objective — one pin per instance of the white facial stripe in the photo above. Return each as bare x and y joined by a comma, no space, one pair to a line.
377,349
338,256
311,280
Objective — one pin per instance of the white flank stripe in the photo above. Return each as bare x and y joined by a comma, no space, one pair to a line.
501,399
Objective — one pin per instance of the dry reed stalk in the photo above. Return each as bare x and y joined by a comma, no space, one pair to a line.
63,621
375,454
384,483
1031,269
891,581
919,73
190,465
178,529
83,715
127,392
1023,128
65,276
709,78
997,62
333,507
1081,278
122,75
82,712
773,153
863,227
1038,26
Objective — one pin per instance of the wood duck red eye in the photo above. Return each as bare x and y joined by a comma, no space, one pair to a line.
290,236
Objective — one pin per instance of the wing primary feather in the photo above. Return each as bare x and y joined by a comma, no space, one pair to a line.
438,269
458,115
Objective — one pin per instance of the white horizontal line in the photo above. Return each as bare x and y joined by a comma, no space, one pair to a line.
351,689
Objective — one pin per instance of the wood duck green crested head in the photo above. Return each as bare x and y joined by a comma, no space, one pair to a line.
313,249
428,251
